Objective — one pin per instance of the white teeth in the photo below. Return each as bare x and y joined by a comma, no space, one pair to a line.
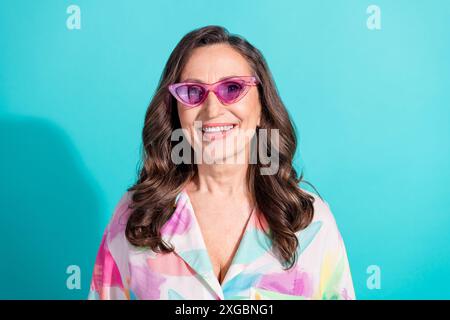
216,129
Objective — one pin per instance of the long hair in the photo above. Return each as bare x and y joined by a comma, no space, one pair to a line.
286,208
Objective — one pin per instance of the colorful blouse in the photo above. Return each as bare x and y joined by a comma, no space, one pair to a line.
123,271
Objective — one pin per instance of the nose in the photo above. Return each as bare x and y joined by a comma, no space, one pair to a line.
212,105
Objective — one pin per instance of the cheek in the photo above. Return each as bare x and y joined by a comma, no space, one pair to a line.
186,117
248,112
252,107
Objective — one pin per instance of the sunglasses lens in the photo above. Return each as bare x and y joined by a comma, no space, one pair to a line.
230,91
190,94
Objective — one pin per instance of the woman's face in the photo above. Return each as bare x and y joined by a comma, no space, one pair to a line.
208,65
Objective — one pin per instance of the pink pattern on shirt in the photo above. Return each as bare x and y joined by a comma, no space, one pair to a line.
180,221
293,282
106,273
145,283
170,264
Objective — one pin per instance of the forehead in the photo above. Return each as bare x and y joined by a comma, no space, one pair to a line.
211,63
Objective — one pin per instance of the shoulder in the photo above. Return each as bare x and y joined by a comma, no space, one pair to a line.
323,228
322,211
120,215
111,270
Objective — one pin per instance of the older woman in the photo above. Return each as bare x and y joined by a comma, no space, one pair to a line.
219,228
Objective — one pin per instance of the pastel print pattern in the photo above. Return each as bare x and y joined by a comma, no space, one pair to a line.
106,279
122,271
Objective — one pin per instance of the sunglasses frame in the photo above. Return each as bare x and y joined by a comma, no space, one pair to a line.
248,81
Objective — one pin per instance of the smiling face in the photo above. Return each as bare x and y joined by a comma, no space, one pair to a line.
222,132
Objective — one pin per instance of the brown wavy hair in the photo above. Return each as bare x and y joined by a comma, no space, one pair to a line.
285,206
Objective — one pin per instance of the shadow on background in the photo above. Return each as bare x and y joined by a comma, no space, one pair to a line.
50,211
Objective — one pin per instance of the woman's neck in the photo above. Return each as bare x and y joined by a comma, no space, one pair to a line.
221,180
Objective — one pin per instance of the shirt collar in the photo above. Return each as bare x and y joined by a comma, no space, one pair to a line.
182,230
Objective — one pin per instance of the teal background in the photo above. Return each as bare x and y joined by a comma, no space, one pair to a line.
371,108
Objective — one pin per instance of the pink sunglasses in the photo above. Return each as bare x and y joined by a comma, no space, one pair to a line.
228,91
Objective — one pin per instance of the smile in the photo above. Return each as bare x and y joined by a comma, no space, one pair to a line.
217,128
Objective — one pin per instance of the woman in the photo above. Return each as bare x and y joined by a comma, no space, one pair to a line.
219,228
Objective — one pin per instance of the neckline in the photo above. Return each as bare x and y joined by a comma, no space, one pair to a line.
240,246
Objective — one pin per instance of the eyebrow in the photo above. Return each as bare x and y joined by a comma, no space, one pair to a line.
199,81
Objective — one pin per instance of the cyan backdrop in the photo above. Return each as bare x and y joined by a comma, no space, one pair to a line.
371,108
